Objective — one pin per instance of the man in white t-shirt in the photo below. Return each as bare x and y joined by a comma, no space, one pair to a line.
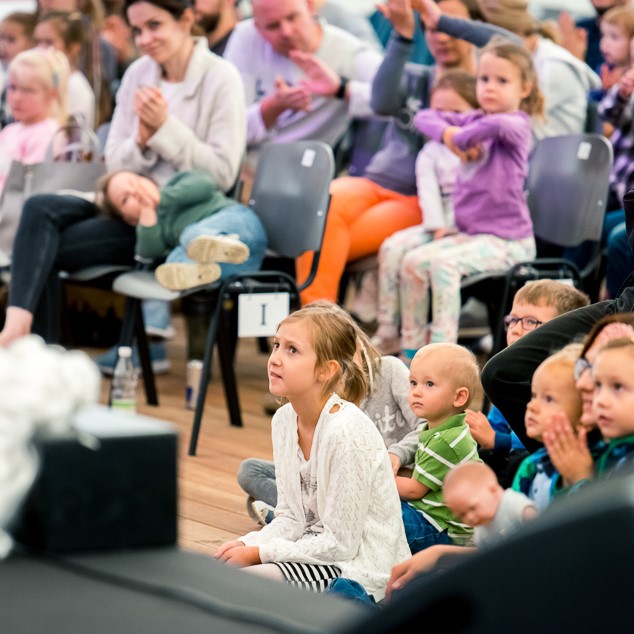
304,79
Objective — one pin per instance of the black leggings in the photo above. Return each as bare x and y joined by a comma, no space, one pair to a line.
60,233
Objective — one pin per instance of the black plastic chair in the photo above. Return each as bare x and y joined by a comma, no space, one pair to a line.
290,195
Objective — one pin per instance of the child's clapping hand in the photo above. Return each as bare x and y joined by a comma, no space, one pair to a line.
568,451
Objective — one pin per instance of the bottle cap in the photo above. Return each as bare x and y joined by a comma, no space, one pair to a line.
125,351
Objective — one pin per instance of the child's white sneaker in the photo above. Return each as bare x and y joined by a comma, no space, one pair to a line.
261,510
182,276
222,248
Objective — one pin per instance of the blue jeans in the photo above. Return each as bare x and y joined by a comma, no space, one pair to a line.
257,479
349,589
235,219
419,532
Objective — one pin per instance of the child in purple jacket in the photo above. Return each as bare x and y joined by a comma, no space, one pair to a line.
494,229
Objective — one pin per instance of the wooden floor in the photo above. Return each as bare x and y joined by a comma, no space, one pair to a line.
212,507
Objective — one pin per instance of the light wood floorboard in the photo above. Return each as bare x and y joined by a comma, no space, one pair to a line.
212,506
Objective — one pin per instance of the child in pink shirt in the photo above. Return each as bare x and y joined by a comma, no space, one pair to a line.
36,93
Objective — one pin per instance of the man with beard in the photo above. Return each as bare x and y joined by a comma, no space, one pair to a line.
217,19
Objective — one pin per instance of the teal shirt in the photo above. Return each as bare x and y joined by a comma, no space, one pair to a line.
439,450
185,199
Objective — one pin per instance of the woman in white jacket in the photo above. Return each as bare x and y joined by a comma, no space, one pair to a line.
337,516
180,107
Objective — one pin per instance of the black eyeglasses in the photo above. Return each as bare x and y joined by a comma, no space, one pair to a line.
528,323
581,365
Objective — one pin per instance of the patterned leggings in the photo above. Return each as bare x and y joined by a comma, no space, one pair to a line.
391,255
439,267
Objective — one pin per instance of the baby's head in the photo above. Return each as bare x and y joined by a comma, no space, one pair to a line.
120,193
537,302
443,380
472,493
553,392
613,401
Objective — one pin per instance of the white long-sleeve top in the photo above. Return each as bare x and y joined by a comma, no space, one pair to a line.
357,502
328,118
436,170
205,128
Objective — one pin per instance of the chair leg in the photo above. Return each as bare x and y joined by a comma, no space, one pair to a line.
204,376
133,324
149,383
225,355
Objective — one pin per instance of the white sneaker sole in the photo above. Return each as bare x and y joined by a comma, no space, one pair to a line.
181,276
207,249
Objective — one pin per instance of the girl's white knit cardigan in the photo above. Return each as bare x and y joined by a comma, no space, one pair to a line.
357,498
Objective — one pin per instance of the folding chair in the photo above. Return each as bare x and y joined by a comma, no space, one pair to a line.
567,189
290,195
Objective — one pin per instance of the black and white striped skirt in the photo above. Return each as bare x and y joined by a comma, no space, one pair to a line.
308,576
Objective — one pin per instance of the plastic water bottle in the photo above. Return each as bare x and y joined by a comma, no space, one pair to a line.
124,382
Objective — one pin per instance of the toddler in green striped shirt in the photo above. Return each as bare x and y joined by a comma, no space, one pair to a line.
443,380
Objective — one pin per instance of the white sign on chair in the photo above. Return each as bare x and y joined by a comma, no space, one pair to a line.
260,313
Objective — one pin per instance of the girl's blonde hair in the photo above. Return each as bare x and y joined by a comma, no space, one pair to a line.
623,17
333,338
461,82
369,354
533,104
51,68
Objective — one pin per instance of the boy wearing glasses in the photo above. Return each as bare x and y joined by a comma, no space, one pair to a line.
533,305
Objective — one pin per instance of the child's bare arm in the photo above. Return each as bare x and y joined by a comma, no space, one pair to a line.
410,488
422,561
481,429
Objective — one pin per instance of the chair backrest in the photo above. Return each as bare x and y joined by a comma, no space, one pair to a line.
567,187
290,195
594,122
